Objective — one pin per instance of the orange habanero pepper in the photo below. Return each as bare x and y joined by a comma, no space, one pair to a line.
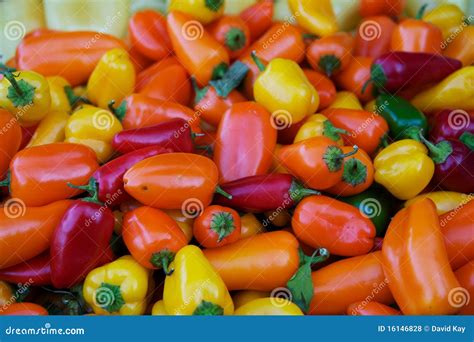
146,75
10,139
323,85
465,276
374,36
232,32
355,77
391,8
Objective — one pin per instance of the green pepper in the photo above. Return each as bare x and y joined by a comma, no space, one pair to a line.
405,120
375,203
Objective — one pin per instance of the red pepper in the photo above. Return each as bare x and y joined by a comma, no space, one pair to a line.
323,85
452,124
373,36
79,240
232,32
36,271
258,17
146,75
174,134
263,193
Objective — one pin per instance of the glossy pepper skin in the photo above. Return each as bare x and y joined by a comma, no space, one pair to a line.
58,89
318,125
36,179
371,309
452,124
420,286
323,85
455,91
119,287
354,77
266,306
174,134
444,200
24,309
344,282
147,29
166,181
205,11
465,276
146,75
72,55
26,95
241,121
448,17
258,17
50,130
369,8
404,168
10,139
36,270
321,221
460,49
232,32
202,56
252,263
113,78
263,193
217,226
152,237
194,287
316,17
371,41
26,236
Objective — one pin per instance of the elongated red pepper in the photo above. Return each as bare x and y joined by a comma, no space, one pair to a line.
258,17
452,124
399,70
78,241
174,134
263,192
36,271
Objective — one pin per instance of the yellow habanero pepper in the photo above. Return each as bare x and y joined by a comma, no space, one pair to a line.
26,95
194,287
318,125
119,287
93,127
58,88
184,222
448,17
282,88
159,309
269,306
50,129
455,91
444,200
241,298
347,100
204,11
315,16
404,168
112,79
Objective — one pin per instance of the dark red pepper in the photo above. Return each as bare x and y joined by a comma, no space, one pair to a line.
36,271
175,134
263,193
452,124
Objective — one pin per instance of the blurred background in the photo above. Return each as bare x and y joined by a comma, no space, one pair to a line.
17,17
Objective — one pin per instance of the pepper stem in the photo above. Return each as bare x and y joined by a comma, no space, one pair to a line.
222,223
235,39
206,308
163,259
200,93
329,64
319,255
467,139
221,192
11,78
351,153
109,297
421,11
298,191
110,105
6,181
72,98
219,71
439,152
257,61
91,188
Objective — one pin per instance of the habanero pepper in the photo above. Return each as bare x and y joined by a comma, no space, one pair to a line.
371,308
39,174
232,32
323,85
258,17
318,125
146,75
317,17
217,226
266,306
355,76
51,129
460,48
10,139
36,271
419,278
373,36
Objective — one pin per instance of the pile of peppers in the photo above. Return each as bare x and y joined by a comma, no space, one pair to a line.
233,164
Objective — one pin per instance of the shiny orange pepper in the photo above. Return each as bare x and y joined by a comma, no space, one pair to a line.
416,262
371,308
10,139
258,17
23,309
374,36
465,276
146,75
461,47
232,32
355,76
323,85
392,8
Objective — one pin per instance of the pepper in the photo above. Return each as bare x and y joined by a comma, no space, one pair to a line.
93,127
318,125
145,76
72,55
25,236
174,134
323,85
10,139
465,276
258,17
217,226
321,221
159,309
455,91
138,111
346,99
404,168
416,35
444,200
365,129
448,17
241,121
454,124
23,309
113,78
456,226
199,53
6,294
421,284
317,17
36,271
371,308
317,162
59,90
184,221
331,54
39,174
241,298
395,71
232,32
373,36
269,306
459,47
119,287
282,87
205,11
195,288
167,182
369,8
51,129
355,77
26,95
148,35
250,226
405,120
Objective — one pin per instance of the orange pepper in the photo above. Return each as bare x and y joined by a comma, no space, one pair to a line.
391,8
416,262
374,36
323,85
250,226
146,75
217,226
23,309
355,76
371,308
461,47
201,55
258,17
232,32
10,139
465,276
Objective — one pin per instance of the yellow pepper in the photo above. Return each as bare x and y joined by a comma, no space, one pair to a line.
184,222
277,167
455,91
194,287
159,309
413,6
444,200
318,125
26,95
317,17
112,79
448,17
58,88
93,127
371,106
241,298
346,99
460,47
119,287
283,89
50,129
269,306
250,226
347,13
404,168
6,294
204,11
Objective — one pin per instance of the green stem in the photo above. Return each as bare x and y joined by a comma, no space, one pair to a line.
235,39
439,152
11,78
222,223
200,93
163,259
298,191
351,153
7,180
309,36
206,308
91,188
258,61
329,64
214,5
221,191
421,11
231,80
467,139
319,255
219,71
